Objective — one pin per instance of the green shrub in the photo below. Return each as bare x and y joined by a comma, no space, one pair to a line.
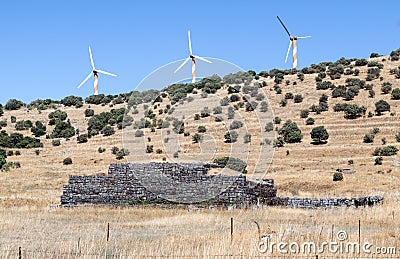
231,136
101,150
89,112
378,160
201,129
63,130
13,104
264,106
108,131
386,87
251,106
72,101
269,127
56,142
289,96
337,176
39,129
231,112
304,113
83,138
196,138
149,149
277,120
235,125
114,150
298,98
310,121
369,138
385,151
247,138
232,163
67,161
396,94
217,110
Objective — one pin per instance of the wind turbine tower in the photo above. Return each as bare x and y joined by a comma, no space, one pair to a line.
95,73
293,41
193,58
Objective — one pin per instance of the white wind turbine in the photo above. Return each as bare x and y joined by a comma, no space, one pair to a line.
193,57
95,75
293,40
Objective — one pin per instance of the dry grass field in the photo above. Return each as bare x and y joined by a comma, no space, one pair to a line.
300,170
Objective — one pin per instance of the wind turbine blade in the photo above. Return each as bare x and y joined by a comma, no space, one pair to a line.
287,54
190,43
91,58
283,26
208,61
84,81
184,62
304,37
106,73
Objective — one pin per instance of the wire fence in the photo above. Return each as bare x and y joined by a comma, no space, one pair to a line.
22,253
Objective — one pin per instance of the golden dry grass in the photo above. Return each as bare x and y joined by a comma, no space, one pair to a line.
156,232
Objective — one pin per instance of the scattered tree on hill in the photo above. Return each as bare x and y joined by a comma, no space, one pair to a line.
121,153
13,104
369,138
39,129
82,138
196,138
381,106
108,130
310,121
247,138
386,87
72,101
231,136
63,130
298,98
201,129
235,125
385,151
56,142
89,112
290,132
396,94
269,127
319,135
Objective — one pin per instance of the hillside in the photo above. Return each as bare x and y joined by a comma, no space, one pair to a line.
299,169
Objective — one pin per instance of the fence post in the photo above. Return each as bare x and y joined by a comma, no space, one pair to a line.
231,230
108,231
19,253
359,231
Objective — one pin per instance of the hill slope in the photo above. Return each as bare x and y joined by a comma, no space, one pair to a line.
299,169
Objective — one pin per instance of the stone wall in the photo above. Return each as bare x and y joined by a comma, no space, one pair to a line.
185,183
165,183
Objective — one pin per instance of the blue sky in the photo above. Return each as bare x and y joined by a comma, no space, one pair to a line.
44,44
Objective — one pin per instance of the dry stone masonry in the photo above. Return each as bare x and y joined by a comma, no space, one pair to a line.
133,184
184,183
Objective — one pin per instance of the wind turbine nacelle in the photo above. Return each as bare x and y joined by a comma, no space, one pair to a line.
293,38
